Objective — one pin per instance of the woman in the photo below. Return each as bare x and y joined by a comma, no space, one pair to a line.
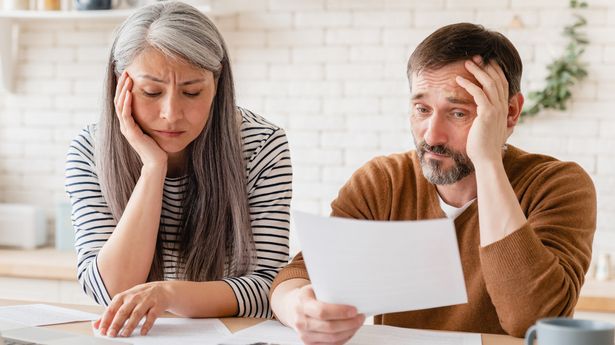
180,198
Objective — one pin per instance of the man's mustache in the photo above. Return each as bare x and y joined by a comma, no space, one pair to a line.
438,149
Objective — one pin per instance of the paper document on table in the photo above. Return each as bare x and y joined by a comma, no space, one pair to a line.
382,266
369,335
177,330
274,333
43,314
264,333
7,325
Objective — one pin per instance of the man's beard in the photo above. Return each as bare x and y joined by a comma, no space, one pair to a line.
433,170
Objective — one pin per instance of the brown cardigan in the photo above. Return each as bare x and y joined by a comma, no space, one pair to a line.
535,272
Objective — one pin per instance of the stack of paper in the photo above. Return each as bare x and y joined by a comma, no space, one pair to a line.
43,314
272,332
180,331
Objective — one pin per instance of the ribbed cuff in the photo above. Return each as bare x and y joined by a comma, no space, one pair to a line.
288,273
518,254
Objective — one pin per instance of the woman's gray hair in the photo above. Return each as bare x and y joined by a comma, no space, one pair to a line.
215,225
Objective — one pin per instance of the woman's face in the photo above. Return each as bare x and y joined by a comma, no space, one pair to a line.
171,99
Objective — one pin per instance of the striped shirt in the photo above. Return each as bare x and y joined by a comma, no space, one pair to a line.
268,179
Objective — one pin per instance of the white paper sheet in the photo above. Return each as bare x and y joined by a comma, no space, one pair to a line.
43,314
382,267
179,331
273,332
7,325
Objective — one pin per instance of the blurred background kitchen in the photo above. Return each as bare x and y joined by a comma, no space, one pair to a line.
331,72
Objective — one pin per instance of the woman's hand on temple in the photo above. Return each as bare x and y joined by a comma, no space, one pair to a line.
148,150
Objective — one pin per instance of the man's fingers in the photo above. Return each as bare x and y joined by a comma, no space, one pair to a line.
323,311
494,70
335,326
326,311
502,76
328,338
477,93
477,59
501,83
489,85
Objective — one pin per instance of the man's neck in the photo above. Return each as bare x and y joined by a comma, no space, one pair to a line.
459,193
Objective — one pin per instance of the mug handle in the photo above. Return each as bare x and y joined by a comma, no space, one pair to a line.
530,335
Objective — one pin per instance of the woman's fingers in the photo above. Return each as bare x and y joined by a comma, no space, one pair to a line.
109,314
119,106
127,107
138,313
118,87
151,316
123,313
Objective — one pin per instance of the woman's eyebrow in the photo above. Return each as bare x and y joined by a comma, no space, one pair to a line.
188,82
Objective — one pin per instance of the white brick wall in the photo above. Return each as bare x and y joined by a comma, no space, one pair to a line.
332,72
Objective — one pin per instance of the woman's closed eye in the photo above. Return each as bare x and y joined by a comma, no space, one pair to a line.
192,93
151,93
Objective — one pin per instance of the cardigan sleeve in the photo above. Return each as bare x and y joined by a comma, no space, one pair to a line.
538,270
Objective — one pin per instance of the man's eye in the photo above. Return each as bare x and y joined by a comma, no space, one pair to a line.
421,110
458,114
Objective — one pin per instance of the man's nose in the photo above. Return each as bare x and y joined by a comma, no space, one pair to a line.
436,133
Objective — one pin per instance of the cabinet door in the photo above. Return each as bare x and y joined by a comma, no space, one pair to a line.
71,292
38,290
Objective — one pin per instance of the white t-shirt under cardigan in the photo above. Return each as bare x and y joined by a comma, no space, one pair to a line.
268,179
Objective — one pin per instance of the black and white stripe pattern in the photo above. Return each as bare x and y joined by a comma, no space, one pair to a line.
268,175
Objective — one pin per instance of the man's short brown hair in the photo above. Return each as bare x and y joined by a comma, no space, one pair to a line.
462,41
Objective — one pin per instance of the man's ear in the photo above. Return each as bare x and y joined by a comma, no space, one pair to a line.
515,106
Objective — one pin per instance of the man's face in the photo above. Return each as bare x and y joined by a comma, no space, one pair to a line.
441,117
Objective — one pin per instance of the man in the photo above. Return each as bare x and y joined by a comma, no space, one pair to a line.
524,222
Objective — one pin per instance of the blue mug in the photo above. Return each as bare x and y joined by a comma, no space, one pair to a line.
564,331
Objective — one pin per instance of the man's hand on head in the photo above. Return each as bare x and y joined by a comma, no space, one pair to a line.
489,131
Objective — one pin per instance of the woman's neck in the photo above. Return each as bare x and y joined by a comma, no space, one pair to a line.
176,164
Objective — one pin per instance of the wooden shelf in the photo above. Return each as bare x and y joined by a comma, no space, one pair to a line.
75,14
44,263
597,296
61,15
10,22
